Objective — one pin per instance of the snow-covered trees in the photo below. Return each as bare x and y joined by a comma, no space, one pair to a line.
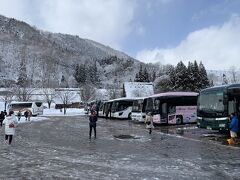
86,74
142,75
182,78
49,95
87,93
224,81
66,96
80,74
6,96
204,81
233,73
23,93
22,80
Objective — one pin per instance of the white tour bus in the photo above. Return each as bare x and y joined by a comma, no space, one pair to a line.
138,109
36,108
116,108
121,108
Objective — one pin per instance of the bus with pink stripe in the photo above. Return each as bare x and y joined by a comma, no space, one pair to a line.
173,107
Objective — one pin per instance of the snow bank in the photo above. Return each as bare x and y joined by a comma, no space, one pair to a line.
69,112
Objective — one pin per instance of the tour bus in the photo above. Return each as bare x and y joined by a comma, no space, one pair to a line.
122,108
138,109
36,108
173,107
215,104
117,108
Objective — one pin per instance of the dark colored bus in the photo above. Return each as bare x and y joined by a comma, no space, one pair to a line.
215,104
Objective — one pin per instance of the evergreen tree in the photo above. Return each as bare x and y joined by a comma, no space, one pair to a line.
22,80
140,74
181,80
191,78
204,81
225,81
136,78
172,77
93,73
145,75
153,76
80,74
196,76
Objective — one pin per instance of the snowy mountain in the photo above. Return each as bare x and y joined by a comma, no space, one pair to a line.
50,59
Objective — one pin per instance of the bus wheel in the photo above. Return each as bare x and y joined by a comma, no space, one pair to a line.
179,120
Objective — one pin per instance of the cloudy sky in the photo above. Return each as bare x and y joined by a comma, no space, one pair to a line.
164,31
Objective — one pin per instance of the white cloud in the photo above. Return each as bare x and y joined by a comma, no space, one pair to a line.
218,47
105,21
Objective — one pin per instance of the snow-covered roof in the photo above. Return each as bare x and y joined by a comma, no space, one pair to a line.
138,89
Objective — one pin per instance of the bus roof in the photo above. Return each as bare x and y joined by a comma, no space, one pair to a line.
17,102
171,94
123,99
217,88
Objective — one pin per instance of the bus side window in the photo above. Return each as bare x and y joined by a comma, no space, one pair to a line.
171,109
231,107
164,108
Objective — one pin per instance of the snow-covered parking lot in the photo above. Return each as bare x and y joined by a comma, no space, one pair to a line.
59,148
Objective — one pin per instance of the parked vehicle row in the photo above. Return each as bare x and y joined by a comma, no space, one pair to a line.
36,108
210,108
166,108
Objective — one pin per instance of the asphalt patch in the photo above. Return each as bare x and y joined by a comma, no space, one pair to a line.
125,136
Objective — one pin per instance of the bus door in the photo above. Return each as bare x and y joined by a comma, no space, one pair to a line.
156,111
164,112
234,101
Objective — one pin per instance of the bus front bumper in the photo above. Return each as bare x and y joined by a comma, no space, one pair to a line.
213,124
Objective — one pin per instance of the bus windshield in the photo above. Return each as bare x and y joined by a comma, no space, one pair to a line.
137,105
149,105
211,101
21,106
121,105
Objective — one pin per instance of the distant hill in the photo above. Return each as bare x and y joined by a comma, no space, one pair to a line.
50,58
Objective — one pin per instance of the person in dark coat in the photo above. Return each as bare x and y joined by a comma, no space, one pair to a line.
92,123
2,116
19,114
26,115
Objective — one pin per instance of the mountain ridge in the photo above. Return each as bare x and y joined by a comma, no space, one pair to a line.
50,56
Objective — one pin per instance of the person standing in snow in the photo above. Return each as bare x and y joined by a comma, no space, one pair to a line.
19,114
149,122
29,115
10,123
233,127
5,112
2,116
26,115
92,124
